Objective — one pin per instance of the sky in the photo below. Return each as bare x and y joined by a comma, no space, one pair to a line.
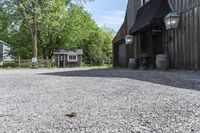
109,13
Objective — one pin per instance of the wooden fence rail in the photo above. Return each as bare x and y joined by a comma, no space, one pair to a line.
21,63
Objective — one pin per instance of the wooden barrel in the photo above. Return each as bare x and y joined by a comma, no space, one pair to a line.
162,61
133,63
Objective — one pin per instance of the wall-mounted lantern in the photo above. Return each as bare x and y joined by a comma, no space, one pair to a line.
172,20
129,39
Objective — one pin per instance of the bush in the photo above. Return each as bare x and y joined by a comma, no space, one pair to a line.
9,64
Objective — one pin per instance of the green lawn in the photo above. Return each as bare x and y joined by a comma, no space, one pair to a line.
90,67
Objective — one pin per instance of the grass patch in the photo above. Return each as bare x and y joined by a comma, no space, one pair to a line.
97,67
8,65
11,66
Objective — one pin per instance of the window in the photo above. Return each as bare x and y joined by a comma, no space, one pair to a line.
72,58
144,1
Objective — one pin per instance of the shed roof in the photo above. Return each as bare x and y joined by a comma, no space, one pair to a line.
4,43
69,51
152,10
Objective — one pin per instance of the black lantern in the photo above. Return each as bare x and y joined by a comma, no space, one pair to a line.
129,39
172,20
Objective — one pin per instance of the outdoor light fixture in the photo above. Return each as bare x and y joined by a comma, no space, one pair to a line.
172,20
129,39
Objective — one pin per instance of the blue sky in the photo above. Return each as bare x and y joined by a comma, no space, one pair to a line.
108,13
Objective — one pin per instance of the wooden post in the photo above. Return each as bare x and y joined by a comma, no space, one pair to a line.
92,63
19,62
53,62
47,61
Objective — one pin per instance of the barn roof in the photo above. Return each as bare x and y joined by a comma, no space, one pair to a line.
153,10
122,32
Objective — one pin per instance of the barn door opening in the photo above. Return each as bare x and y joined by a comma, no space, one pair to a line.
122,55
145,43
151,44
157,43
145,49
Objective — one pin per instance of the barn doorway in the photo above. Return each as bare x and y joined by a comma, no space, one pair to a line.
151,44
157,40
145,49
122,55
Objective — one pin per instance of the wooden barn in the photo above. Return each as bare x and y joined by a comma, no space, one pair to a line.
148,21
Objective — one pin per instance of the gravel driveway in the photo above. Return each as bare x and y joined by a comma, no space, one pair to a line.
107,101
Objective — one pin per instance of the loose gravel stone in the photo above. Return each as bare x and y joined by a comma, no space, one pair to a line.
106,101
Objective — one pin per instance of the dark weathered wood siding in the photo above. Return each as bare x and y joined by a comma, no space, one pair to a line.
131,12
122,55
183,5
119,39
133,6
184,45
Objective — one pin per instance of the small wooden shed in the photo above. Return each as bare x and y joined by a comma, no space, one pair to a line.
145,21
68,57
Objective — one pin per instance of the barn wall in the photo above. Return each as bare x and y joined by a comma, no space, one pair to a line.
118,42
183,44
116,52
133,6
122,55
118,39
183,5
115,55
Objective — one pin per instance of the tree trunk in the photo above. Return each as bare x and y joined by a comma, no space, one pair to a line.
34,50
34,37
32,26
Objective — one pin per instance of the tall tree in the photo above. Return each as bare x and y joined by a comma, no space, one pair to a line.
31,13
57,27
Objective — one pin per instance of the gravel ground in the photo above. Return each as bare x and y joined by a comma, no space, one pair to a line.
107,101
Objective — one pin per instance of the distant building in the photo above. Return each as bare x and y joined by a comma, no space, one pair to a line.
4,52
68,57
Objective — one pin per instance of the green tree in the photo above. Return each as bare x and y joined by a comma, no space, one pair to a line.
84,33
57,27
31,13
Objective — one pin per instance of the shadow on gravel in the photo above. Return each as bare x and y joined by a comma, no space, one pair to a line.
180,79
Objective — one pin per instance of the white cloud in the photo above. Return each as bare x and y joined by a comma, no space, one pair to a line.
110,13
113,19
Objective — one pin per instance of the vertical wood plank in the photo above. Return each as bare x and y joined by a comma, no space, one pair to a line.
175,49
164,41
172,48
198,36
187,53
168,47
180,45
184,49
195,26
191,36
183,39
